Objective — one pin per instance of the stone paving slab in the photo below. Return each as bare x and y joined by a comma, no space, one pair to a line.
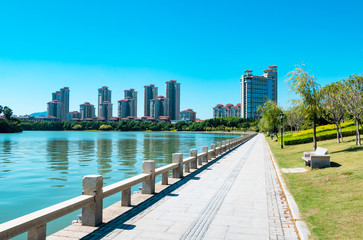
237,197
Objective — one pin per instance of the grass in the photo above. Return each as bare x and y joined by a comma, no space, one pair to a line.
330,199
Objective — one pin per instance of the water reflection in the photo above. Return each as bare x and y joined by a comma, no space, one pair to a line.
160,147
57,152
104,155
86,151
127,150
5,160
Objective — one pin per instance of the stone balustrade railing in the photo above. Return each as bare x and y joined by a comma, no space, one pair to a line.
91,200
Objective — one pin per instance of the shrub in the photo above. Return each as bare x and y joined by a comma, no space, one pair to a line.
105,127
77,127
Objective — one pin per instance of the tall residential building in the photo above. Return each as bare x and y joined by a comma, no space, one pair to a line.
227,111
132,96
172,92
104,95
256,90
150,92
62,97
105,111
54,109
65,102
159,106
87,111
127,107
188,115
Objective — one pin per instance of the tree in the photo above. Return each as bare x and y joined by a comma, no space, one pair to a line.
304,84
352,100
7,112
294,117
270,120
1,109
332,106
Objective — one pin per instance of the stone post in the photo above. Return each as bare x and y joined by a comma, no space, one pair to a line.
164,178
92,213
126,197
214,154
205,157
148,186
219,152
178,158
224,146
193,163
38,233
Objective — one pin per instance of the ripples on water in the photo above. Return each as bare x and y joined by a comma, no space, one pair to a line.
41,168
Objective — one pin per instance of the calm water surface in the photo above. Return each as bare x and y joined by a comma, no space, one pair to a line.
42,168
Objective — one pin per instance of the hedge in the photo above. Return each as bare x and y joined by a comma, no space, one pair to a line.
320,137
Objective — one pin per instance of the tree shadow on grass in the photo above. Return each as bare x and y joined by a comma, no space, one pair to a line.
351,149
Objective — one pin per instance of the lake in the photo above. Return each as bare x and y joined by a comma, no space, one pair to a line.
42,168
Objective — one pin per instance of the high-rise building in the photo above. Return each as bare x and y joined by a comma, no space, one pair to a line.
172,92
227,111
65,102
54,109
62,97
104,95
131,95
159,106
87,111
150,92
256,90
105,111
188,115
127,107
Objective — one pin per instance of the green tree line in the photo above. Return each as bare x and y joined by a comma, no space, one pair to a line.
218,124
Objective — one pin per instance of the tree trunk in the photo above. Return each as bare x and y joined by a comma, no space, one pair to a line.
358,134
338,137
341,133
314,131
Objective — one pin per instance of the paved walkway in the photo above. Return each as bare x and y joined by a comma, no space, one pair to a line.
237,197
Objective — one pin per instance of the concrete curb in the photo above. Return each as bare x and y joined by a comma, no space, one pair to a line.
301,226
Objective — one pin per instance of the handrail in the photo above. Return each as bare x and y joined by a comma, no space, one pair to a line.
22,224
91,201
124,184
166,168
189,159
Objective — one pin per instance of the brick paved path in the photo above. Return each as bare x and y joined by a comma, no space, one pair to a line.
237,197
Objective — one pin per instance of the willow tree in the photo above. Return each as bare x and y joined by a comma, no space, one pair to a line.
352,100
332,106
305,85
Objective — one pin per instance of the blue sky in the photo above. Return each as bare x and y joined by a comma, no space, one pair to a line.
204,45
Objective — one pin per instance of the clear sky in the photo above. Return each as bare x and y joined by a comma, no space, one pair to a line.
204,45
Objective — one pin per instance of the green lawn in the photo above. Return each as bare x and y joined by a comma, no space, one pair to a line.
331,199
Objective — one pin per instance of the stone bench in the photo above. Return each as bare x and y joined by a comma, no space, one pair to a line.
317,159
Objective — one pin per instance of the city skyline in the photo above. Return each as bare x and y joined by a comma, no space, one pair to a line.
204,45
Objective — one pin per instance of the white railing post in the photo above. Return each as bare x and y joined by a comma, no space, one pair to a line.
214,154
178,158
165,178
219,152
148,186
193,163
92,213
205,151
126,197
38,233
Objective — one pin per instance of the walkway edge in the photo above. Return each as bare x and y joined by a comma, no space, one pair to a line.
301,226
